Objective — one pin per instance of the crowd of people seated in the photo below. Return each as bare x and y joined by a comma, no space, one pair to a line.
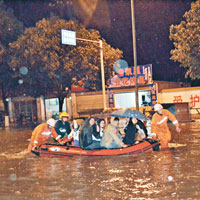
95,133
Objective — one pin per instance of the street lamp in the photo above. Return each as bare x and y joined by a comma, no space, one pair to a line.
102,67
69,37
134,53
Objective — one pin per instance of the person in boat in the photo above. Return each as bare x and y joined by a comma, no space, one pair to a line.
159,126
130,132
141,128
101,123
42,133
74,135
62,126
134,126
89,131
112,137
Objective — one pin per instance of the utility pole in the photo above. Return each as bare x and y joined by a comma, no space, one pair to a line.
69,37
102,75
102,67
134,53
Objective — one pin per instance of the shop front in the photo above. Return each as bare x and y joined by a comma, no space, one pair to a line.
120,93
189,95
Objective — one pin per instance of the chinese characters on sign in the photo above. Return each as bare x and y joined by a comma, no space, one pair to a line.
153,94
126,76
177,99
194,99
110,98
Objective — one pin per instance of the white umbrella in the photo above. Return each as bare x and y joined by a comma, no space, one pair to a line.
128,113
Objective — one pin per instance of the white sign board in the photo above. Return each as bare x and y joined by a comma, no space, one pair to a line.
182,95
68,37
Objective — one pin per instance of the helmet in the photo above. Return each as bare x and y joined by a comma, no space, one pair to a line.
51,122
158,107
64,114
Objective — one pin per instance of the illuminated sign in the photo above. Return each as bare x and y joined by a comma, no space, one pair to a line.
126,76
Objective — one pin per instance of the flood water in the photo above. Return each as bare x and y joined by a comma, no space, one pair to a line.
168,174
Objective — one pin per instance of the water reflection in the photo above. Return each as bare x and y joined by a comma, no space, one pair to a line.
168,174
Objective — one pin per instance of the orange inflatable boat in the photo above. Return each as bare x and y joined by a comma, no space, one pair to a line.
56,150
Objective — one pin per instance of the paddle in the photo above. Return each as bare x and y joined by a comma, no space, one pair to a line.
175,145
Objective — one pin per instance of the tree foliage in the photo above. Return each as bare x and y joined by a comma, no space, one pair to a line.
52,65
186,37
10,28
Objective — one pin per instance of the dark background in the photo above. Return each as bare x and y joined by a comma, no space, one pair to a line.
113,19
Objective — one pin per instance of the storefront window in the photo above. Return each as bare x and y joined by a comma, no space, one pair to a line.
127,100
52,107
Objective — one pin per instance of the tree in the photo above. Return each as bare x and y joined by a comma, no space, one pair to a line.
186,37
10,28
52,65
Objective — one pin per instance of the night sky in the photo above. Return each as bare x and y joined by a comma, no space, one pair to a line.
113,19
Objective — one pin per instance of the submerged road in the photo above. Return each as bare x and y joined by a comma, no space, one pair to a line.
168,174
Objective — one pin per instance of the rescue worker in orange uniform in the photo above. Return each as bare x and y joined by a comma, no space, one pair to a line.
159,127
42,133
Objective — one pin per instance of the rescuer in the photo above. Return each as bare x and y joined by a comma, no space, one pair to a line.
42,133
159,126
62,126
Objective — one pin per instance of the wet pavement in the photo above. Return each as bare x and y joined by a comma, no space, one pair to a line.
172,173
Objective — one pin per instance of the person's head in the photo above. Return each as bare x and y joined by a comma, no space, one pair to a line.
134,120
116,121
102,123
158,108
91,121
75,125
64,116
51,123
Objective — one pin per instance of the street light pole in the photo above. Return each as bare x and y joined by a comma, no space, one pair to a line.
134,53
102,67
69,37
102,74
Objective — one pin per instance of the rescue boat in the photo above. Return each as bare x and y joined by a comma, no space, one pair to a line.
56,150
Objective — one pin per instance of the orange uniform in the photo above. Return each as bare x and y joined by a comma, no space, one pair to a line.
160,128
41,134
